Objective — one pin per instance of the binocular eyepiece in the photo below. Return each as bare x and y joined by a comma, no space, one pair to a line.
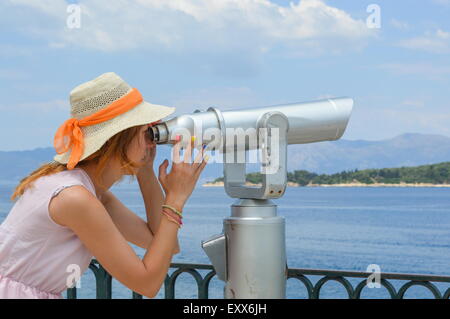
152,134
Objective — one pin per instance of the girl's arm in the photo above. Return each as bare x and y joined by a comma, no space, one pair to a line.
77,208
131,226
153,200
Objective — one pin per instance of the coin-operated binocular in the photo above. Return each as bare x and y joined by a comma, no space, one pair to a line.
250,254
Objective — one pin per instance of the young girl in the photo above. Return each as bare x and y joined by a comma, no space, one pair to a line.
66,215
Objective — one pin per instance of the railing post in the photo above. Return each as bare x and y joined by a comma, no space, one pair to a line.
135,295
72,293
103,281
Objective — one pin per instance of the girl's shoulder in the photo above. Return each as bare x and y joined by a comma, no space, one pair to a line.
61,180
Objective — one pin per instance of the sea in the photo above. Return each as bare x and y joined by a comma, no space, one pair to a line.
399,230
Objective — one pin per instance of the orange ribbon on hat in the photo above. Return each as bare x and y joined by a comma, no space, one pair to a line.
71,128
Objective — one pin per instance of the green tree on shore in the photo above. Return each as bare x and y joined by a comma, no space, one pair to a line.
433,174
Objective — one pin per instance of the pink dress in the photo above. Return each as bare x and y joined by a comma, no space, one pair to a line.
38,257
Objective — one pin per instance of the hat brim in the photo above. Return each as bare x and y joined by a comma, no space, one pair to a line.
97,135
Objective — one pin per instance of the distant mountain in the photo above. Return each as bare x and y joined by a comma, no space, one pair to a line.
14,165
336,156
322,158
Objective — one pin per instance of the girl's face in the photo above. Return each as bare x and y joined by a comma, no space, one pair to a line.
141,146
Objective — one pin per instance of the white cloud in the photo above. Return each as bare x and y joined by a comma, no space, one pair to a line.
14,50
427,69
434,42
12,74
324,96
221,97
415,103
419,120
442,2
381,117
306,27
400,25
49,7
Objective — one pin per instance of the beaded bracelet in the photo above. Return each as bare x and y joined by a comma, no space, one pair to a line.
172,219
174,210
175,216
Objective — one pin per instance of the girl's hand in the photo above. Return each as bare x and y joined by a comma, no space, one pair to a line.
179,183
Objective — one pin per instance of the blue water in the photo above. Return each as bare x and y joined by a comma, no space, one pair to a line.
404,230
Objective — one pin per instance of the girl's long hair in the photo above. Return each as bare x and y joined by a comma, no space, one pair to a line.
115,147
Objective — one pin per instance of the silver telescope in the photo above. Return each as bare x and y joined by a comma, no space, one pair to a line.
250,254
308,122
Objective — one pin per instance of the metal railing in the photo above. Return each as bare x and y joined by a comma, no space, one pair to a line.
104,281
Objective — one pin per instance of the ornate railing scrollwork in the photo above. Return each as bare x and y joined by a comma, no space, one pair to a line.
104,287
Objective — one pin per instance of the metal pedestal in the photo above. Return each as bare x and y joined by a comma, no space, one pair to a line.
256,251
250,255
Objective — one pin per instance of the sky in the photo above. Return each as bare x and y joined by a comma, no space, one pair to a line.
391,57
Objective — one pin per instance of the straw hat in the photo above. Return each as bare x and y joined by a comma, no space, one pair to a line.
95,95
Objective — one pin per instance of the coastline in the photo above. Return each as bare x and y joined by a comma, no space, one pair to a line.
291,184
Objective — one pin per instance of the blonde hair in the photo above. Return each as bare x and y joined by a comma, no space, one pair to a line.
115,147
